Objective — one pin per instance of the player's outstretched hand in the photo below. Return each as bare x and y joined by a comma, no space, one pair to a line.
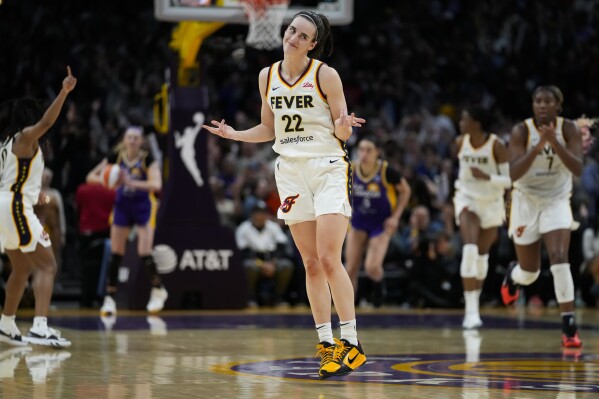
69,82
221,129
351,120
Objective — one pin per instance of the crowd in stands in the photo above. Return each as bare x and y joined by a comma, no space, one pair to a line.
407,67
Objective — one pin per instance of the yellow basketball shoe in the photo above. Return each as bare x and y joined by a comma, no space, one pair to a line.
347,358
325,351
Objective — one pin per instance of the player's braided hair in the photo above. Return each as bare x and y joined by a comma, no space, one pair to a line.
17,114
323,37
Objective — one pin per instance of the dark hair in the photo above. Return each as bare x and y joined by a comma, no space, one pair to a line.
481,115
324,36
5,116
259,206
16,115
557,93
373,139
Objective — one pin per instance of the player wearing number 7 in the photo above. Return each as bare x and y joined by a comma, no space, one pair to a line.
544,152
304,111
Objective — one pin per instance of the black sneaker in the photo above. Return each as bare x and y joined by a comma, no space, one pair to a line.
510,291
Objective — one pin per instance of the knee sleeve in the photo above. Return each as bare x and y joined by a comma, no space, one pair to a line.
523,277
468,268
563,282
482,263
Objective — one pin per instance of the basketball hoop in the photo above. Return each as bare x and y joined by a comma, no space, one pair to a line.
265,20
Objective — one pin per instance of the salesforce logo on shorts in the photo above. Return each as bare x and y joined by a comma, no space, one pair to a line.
194,259
296,139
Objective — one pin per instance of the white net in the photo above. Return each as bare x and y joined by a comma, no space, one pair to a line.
266,18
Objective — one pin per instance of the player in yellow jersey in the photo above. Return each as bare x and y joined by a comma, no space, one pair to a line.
304,111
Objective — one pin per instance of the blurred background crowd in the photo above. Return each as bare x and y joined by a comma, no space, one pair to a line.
409,74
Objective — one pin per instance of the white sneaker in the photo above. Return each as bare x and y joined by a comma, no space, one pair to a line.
11,335
46,336
42,365
157,298
472,321
108,307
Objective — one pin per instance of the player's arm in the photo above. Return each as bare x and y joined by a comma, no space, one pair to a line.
95,175
502,177
571,153
33,133
521,160
152,184
458,145
404,191
331,86
265,131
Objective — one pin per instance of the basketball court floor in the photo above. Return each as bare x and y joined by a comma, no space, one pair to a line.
269,354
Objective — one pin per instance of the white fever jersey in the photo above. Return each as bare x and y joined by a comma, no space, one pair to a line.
303,123
22,176
547,177
484,159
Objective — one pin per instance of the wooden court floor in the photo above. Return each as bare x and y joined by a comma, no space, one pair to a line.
269,354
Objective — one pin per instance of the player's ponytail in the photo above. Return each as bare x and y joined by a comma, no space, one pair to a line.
324,35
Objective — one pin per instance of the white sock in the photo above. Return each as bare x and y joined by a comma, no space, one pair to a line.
478,292
40,322
6,321
349,332
325,333
471,299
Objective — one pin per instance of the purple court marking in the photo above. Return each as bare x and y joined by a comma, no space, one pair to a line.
505,371
178,322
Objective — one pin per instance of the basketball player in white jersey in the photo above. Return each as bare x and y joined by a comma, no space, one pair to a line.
304,111
21,234
544,151
478,202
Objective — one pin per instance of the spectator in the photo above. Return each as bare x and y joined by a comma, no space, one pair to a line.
262,244
94,204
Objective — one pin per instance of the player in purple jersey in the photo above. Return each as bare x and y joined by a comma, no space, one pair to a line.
135,205
380,196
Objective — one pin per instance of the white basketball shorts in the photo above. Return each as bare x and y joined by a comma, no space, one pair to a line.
310,187
491,212
530,218
19,226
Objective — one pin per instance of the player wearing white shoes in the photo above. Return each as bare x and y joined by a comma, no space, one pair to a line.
22,235
135,205
544,151
304,111
479,206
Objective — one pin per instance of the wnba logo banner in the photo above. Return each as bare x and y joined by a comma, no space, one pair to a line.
196,257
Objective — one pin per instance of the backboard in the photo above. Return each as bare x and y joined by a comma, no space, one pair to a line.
339,12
